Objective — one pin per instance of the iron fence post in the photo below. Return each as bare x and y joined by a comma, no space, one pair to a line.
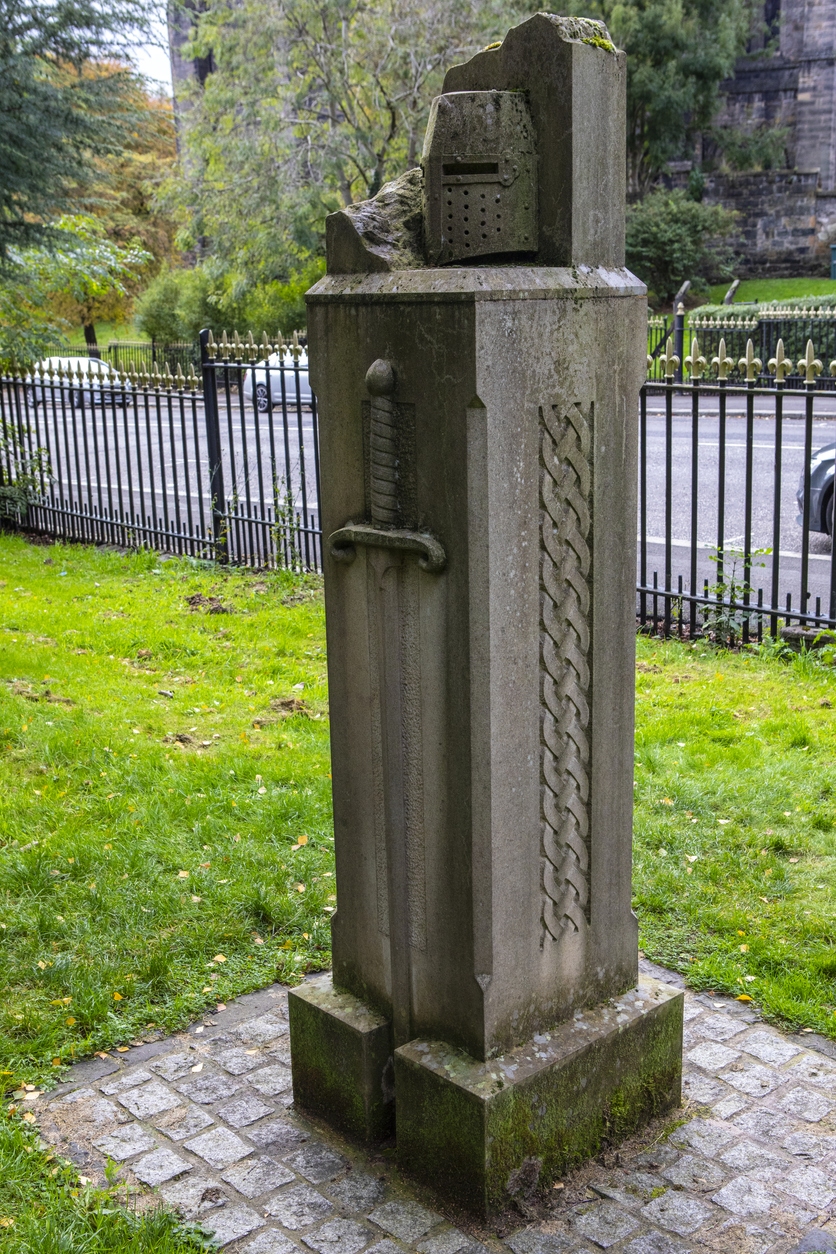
213,448
679,339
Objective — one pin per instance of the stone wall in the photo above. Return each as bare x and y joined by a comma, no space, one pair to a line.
785,224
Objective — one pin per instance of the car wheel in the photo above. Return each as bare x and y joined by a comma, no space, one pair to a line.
261,397
828,515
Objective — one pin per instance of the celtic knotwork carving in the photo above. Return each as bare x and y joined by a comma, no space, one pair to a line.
565,560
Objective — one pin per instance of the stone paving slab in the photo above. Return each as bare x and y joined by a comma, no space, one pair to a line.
748,1166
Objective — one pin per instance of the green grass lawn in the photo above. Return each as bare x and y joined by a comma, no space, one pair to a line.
166,839
158,851
774,289
46,1209
111,331
165,819
735,833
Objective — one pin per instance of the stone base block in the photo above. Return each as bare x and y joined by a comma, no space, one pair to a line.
466,1127
341,1054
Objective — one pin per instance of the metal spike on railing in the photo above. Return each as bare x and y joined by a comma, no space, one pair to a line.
237,346
180,379
780,365
211,346
281,347
225,347
750,363
809,365
669,360
250,349
168,378
266,348
695,361
133,376
722,363
192,380
296,347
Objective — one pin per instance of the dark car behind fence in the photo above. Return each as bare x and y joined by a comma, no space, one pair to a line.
188,464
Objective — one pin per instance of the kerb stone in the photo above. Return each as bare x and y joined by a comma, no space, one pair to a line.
342,1060
597,1077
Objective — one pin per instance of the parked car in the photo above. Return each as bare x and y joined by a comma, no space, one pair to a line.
105,379
821,490
276,366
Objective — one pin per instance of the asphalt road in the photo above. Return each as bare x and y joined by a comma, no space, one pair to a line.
708,458
169,453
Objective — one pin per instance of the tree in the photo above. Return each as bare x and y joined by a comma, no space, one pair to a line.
63,102
312,104
80,269
678,53
671,238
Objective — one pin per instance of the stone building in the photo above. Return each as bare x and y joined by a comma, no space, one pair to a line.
788,80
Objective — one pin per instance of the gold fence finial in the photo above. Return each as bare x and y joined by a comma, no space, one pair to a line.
266,348
722,362
669,360
809,365
780,364
225,347
296,348
750,363
193,380
211,346
695,361
252,351
180,378
281,347
833,368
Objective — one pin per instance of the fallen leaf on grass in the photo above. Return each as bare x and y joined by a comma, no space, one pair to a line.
743,997
219,958
122,1049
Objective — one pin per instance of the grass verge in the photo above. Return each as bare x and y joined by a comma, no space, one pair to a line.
165,821
735,825
774,289
46,1208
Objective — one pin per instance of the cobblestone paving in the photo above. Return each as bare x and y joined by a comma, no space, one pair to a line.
206,1119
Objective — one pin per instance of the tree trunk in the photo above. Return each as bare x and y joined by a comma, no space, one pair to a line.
90,339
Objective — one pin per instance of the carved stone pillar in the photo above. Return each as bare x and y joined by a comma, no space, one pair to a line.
478,443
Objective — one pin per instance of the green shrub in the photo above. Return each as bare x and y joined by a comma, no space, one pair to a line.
671,237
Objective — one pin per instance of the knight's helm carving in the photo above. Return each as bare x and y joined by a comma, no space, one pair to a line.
480,176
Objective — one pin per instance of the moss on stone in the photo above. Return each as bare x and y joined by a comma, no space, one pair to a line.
598,42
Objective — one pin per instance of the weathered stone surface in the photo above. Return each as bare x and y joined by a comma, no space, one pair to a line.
384,233
357,1192
122,1083
598,1076
219,1148
339,1236
260,1031
182,1121
318,1164
298,1208
159,1166
807,1104
242,1111
210,1087
480,177
270,1242
769,1048
237,1061
681,1214
406,1220
277,1135
148,1099
271,1080
194,1196
253,1177
690,1172
125,1142
342,1054
575,83
605,1224
744,1196
173,1066
231,1223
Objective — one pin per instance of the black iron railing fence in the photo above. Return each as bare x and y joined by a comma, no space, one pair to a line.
224,464
139,355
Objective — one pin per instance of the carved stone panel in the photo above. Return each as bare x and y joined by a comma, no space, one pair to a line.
565,570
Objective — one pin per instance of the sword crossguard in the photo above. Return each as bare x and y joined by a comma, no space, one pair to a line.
431,555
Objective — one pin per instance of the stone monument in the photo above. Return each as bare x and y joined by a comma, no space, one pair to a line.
477,350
